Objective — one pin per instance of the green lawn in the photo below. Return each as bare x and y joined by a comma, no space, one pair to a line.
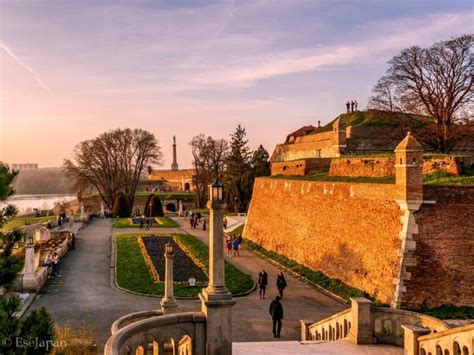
21,221
165,222
133,273
324,176
439,178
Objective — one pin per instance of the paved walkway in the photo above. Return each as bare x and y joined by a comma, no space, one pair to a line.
251,320
85,294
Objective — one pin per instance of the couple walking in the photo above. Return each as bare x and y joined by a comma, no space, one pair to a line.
263,282
276,308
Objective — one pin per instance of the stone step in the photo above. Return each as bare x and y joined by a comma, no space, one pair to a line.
339,347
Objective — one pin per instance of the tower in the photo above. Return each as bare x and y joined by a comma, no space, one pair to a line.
409,169
174,165
339,138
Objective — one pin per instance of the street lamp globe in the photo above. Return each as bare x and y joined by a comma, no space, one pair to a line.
217,192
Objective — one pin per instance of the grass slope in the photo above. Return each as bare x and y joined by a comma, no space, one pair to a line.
133,273
21,221
165,222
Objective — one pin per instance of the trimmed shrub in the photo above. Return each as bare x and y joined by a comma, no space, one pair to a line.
156,207
121,208
171,207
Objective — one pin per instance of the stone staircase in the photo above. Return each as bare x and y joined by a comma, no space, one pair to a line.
317,347
366,325
234,222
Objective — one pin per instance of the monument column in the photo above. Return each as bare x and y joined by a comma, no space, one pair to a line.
216,300
174,165
168,303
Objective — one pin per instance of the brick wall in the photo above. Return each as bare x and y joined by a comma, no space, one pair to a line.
300,167
348,231
444,249
351,232
372,167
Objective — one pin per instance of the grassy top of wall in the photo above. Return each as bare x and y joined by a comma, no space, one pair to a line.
374,118
324,176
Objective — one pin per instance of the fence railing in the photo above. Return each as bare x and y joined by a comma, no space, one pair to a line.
179,333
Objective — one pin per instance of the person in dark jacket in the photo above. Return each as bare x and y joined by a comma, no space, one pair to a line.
262,283
281,283
276,311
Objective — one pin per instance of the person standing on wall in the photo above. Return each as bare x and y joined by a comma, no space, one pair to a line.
262,283
281,283
276,311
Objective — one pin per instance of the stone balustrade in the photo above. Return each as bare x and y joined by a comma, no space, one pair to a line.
454,341
132,318
179,333
366,324
333,328
387,324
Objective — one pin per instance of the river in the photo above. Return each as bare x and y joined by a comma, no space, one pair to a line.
25,203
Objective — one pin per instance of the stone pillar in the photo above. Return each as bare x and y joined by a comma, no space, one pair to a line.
174,165
409,185
361,326
305,323
216,300
410,338
168,303
29,270
339,137
83,215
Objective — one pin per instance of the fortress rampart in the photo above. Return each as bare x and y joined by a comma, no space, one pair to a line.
352,232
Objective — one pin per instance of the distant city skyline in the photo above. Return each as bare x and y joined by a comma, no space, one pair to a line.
72,70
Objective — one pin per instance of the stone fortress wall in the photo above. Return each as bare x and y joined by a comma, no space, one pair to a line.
367,166
404,243
350,231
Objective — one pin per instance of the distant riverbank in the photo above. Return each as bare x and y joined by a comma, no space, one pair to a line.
28,202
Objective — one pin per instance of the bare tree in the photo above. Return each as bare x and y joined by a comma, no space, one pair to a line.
113,162
209,162
435,81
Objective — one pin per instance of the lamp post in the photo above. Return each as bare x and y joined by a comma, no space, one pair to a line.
168,303
235,204
216,300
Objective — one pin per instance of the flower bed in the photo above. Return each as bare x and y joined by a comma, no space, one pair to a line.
184,266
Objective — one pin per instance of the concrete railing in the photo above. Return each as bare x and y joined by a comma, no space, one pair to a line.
366,324
179,333
333,328
456,341
387,324
132,318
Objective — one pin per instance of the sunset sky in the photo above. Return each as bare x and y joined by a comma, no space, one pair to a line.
70,70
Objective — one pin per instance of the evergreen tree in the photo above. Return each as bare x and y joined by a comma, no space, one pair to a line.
10,326
238,174
260,162
38,328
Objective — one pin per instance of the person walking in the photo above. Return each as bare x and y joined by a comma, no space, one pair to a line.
262,283
276,311
348,106
281,283
204,225
229,247
56,265
352,106
235,246
355,105
141,222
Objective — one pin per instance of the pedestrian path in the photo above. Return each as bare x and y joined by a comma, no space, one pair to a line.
251,319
